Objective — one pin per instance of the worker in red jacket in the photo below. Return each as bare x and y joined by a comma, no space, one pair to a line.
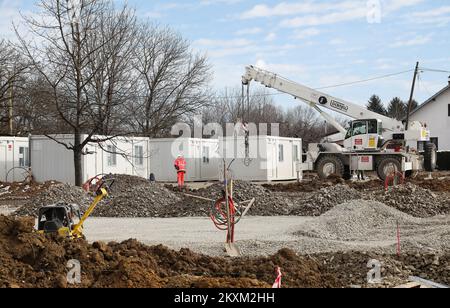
180,166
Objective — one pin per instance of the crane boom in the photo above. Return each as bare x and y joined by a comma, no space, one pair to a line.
316,98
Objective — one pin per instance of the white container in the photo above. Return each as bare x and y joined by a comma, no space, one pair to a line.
201,157
53,161
270,158
14,159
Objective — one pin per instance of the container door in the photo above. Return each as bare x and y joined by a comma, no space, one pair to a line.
198,161
139,159
274,160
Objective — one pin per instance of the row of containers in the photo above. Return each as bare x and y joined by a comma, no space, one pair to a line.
259,158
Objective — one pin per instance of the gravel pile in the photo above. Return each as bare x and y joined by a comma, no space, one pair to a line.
62,193
358,219
136,197
267,203
415,201
324,200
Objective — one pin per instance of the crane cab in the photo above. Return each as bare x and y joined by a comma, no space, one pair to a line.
364,136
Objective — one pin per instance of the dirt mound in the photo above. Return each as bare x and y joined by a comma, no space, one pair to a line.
23,190
325,199
358,219
61,193
305,186
436,185
351,268
132,196
32,260
266,203
415,200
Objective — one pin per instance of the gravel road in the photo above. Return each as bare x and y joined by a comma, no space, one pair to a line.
260,236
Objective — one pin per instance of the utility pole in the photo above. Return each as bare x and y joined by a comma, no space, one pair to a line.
411,97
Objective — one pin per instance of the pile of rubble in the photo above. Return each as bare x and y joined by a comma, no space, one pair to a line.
136,197
61,193
415,200
351,268
23,190
358,219
267,203
324,200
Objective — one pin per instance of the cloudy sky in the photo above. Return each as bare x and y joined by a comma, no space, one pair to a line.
315,42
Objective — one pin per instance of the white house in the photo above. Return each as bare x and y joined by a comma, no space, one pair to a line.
269,158
202,158
435,112
14,159
51,160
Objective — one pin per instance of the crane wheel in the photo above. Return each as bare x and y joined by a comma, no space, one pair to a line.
430,157
330,165
388,166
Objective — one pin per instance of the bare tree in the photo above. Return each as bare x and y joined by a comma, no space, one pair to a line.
12,73
172,80
233,105
71,48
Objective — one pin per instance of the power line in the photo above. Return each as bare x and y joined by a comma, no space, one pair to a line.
365,80
331,86
434,70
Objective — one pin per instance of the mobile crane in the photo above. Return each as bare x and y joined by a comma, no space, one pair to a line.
372,143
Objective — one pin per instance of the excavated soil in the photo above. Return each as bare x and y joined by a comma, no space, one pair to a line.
32,260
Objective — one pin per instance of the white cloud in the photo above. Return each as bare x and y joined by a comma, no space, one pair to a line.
336,41
222,43
306,33
286,70
415,41
249,31
437,17
314,13
271,37
285,9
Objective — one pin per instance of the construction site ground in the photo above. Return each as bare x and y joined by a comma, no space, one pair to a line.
322,233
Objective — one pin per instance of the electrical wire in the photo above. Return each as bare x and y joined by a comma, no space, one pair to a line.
434,70
365,80
331,86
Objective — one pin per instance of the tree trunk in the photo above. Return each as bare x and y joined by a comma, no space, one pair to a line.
77,155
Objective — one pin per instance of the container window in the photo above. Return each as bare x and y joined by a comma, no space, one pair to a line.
112,155
449,110
139,155
24,159
205,155
281,153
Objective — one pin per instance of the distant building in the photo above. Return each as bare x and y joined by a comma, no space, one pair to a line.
435,112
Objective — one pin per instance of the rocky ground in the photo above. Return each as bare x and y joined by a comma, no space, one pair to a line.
32,260
136,197
351,220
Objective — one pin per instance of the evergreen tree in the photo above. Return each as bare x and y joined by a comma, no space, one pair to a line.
397,109
414,105
376,105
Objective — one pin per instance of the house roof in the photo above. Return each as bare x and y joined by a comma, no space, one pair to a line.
431,99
